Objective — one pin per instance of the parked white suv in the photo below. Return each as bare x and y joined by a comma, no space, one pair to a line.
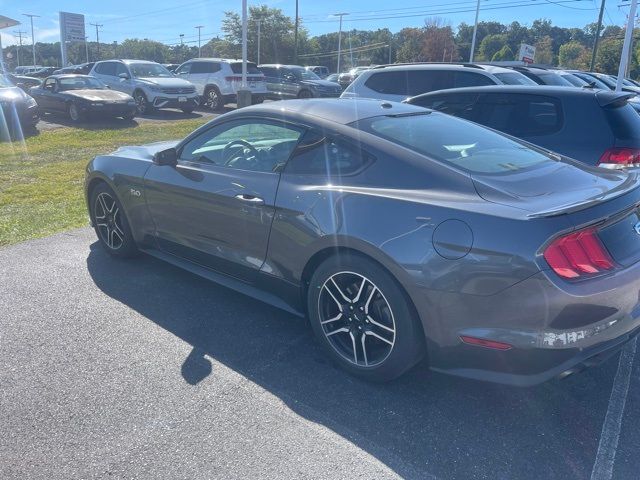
217,80
398,82
149,83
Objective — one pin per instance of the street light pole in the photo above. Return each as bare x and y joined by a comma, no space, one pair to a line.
475,32
295,37
259,22
199,27
339,39
181,39
33,41
626,47
86,47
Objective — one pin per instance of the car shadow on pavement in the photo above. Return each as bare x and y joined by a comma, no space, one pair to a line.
93,123
422,425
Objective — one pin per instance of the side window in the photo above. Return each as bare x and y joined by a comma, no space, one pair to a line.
460,105
392,83
318,154
521,115
268,72
120,68
251,144
205,67
184,69
409,82
107,68
50,84
470,79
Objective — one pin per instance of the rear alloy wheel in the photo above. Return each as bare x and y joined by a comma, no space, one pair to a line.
142,104
305,94
110,223
213,99
74,113
363,319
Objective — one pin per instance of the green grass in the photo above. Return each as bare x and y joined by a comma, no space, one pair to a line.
41,178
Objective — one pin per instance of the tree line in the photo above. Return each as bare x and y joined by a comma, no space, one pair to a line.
435,41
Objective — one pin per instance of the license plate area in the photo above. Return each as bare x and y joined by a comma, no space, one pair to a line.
182,99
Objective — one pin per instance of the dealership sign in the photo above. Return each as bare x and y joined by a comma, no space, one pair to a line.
527,53
72,27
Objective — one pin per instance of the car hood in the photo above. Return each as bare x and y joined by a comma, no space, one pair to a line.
12,94
144,152
95,95
555,188
166,81
320,83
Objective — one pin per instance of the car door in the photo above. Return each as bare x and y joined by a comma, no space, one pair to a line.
106,72
273,79
201,73
216,206
290,85
44,94
123,81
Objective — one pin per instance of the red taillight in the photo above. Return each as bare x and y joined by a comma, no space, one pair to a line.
482,342
620,157
577,254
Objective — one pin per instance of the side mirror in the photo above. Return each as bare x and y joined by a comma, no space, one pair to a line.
124,76
166,157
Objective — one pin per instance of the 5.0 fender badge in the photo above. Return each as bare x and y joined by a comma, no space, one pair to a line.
137,193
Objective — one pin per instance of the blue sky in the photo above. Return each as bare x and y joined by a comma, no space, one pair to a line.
165,20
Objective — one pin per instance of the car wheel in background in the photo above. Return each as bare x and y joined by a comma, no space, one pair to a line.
305,94
257,99
142,104
129,116
213,98
363,318
110,222
75,114
187,110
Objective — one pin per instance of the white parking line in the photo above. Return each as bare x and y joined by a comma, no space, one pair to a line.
606,456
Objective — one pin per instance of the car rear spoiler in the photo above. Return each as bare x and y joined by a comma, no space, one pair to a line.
613,99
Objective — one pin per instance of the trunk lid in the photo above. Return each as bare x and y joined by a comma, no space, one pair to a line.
555,188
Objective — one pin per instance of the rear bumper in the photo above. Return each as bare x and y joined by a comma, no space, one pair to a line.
552,326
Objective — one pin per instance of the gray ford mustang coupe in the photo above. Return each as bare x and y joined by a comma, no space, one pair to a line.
400,232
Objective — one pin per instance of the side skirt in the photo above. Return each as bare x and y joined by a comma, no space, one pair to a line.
225,281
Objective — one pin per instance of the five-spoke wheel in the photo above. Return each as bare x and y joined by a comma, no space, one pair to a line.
363,318
110,222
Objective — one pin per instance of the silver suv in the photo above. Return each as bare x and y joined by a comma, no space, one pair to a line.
149,83
398,82
217,80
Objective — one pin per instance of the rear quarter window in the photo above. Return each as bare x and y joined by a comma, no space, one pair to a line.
252,69
409,82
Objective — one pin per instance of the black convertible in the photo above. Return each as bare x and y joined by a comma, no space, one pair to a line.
80,96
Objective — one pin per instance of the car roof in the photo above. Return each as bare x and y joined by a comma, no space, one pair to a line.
128,61
279,65
215,59
604,97
441,66
69,75
339,110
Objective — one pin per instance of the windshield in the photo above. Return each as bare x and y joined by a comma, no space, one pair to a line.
141,70
80,83
460,143
554,79
513,78
596,82
573,80
303,74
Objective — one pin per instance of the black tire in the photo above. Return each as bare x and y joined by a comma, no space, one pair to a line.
187,110
305,94
107,214
74,112
258,99
143,105
213,99
129,116
387,302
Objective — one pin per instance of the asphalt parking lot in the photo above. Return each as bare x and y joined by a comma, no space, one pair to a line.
139,370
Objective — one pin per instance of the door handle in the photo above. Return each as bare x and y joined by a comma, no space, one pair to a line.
252,199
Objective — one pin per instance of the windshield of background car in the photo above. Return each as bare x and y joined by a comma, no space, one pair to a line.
457,142
302,74
142,70
79,83
513,78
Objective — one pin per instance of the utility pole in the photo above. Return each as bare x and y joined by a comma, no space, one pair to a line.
19,34
475,32
339,39
295,37
33,40
181,39
259,21
97,25
86,47
597,39
626,46
199,27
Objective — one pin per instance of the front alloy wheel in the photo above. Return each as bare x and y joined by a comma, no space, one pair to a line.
212,99
108,221
142,104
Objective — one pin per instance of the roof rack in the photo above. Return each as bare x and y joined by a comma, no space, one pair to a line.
462,64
